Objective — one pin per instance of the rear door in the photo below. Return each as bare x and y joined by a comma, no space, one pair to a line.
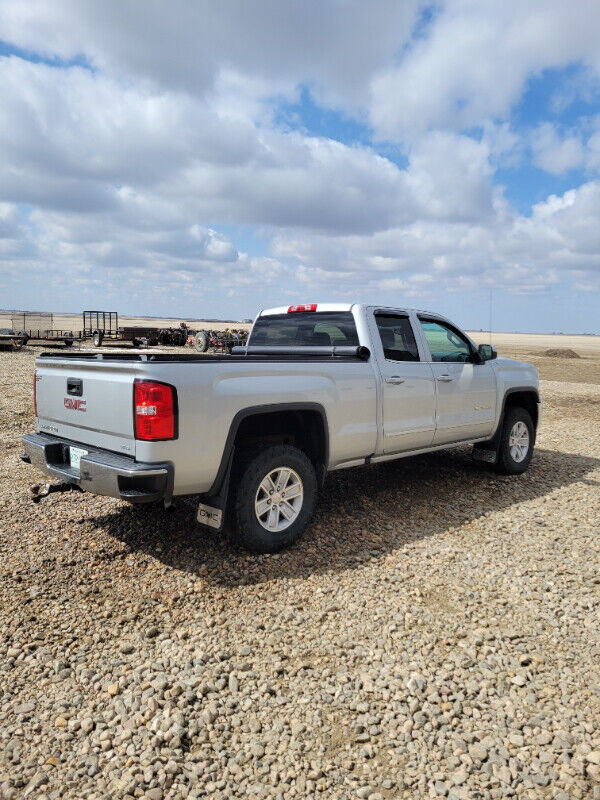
466,391
408,389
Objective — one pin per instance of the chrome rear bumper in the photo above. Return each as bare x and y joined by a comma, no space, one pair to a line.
100,471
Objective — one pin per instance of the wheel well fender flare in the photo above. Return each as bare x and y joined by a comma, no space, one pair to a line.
243,414
522,390
494,442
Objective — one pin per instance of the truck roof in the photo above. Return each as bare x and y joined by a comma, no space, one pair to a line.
267,312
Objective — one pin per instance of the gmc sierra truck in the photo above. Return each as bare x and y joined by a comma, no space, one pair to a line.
318,387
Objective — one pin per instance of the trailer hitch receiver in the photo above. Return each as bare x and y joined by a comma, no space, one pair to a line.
38,493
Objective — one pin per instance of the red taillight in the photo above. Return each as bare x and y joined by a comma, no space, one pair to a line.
35,393
154,411
305,307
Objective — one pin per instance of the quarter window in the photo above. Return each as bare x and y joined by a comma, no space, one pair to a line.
397,338
445,344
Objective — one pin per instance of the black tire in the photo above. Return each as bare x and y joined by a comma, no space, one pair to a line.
507,464
97,339
201,341
68,342
252,470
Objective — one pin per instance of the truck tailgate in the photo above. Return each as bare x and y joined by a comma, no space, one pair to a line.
91,403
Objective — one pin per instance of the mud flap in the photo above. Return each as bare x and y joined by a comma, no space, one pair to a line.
210,516
211,513
484,454
488,451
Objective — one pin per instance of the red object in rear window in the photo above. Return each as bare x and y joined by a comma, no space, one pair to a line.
154,411
305,307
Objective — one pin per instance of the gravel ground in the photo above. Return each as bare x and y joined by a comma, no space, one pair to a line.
435,633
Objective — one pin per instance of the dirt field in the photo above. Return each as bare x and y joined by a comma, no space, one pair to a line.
532,347
436,632
538,342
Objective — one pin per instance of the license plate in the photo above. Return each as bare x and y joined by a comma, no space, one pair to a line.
75,454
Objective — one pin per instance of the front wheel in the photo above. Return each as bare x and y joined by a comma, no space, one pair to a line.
274,499
516,442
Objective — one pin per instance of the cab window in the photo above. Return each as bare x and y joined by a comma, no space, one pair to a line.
305,329
397,338
445,343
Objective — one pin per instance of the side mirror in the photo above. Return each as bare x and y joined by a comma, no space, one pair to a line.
487,352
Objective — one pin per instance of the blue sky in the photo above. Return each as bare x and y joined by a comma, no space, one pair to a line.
190,161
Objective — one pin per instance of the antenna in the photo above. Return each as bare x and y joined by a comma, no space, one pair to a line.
491,306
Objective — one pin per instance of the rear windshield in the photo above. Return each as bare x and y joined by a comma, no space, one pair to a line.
305,328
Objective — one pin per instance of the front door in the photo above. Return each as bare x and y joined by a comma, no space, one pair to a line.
466,392
408,387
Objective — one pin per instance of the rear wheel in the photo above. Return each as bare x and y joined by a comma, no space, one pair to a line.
97,339
275,498
516,442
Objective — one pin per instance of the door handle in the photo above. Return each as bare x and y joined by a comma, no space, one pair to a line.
395,379
444,378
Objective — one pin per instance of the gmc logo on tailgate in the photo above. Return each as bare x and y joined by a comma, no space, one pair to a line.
74,404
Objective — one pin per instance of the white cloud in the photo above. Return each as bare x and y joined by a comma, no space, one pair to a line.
555,154
507,250
77,142
474,62
592,146
451,176
16,239
184,44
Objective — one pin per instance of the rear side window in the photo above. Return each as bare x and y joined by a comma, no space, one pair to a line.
397,338
305,329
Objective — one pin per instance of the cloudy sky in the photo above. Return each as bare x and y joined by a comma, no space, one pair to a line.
212,157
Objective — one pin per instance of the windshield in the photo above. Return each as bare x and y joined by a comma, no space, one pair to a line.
305,329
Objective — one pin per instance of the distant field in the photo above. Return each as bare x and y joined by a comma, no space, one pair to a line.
533,346
73,322
538,342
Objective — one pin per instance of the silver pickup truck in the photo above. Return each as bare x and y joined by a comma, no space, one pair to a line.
317,388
